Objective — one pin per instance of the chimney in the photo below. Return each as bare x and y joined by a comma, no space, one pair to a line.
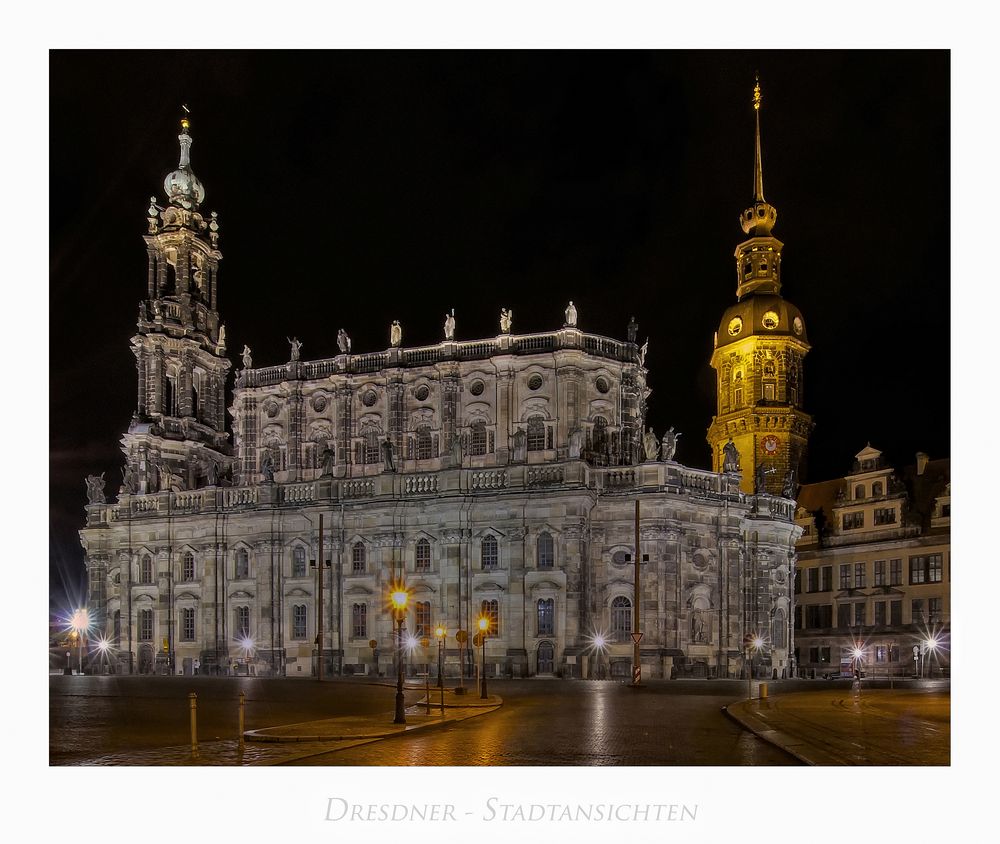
921,462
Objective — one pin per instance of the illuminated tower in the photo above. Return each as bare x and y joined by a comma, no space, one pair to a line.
177,438
759,349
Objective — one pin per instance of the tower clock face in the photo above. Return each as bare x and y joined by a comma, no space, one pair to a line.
797,325
735,326
770,444
769,320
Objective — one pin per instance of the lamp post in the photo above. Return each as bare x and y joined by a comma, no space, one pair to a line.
484,626
80,622
930,646
440,634
399,597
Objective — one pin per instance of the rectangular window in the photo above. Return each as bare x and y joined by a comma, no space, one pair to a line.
859,615
798,581
812,616
491,611
885,515
769,392
299,621
843,615
845,576
358,559
826,615
242,625
187,624
859,576
187,573
918,570
299,562
917,614
423,619
813,580
145,625
895,572
824,655
934,568
827,579
852,521
814,654
934,610
798,616
546,620
880,572
880,653
423,556
359,621
893,653
879,613
242,564
896,612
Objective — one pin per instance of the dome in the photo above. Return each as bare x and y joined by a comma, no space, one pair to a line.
761,316
182,186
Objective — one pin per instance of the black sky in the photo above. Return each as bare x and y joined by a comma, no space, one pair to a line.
354,188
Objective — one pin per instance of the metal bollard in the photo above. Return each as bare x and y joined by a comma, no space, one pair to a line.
243,706
763,691
193,698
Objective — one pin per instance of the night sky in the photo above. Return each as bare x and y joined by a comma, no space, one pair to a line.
354,188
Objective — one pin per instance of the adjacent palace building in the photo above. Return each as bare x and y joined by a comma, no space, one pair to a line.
503,478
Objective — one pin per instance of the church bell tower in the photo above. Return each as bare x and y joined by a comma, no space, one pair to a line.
177,437
759,350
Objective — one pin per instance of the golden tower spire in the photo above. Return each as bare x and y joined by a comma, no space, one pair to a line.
758,168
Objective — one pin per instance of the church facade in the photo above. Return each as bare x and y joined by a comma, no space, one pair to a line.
510,478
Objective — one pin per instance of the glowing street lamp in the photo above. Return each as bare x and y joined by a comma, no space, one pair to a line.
103,648
80,623
399,597
484,628
930,647
440,634
598,644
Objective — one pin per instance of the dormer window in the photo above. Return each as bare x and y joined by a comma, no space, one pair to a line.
859,491
877,489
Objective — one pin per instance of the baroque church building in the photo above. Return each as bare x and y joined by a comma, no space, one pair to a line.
510,478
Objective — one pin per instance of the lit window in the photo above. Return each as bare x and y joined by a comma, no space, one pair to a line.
423,619
491,611
852,521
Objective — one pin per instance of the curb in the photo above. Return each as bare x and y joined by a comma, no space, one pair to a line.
791,746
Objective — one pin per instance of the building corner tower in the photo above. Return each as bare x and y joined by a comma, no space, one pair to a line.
177,438
759,350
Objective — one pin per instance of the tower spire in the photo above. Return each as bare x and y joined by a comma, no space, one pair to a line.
758,168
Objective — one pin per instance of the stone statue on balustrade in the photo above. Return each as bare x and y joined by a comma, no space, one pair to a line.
730,457
296,347
95,489
387,455
506,320
343,342
247,357
760,478
130,480
790,488
456,450
670,444
650,445
571,315
642,352
449,325
395,334
326,460
575,443
633,330
267,467
520,445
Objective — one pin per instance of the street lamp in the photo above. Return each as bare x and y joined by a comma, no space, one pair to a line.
930,646
80,623
440,633
399,598
484,627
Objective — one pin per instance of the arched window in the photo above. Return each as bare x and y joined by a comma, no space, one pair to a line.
146,569
358,558
242,564
876,489
778,629
546,617
546,551
424,444
490,610
359,621
241,628
621,619
600,434
490,551
422,613
298,561
187,567
423,556
477,442
536,433
859,491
